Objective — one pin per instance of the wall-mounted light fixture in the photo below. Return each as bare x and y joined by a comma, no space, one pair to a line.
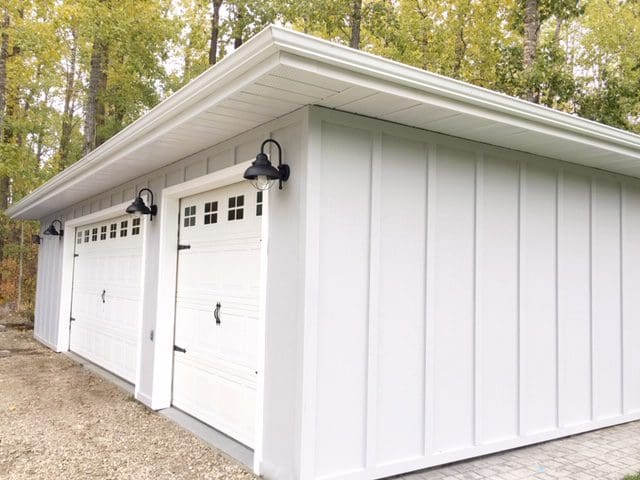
35,239
51,229
138,207
262,174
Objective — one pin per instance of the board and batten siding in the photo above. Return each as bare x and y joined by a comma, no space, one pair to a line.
469,299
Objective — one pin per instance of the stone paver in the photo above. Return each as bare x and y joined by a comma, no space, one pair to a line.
607,454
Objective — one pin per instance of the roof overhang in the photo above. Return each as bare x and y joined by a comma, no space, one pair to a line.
279,71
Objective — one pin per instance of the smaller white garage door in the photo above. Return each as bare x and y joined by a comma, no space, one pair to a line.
217,305
107,290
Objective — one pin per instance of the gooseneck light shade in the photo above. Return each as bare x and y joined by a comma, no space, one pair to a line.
262,174
138,207
51,229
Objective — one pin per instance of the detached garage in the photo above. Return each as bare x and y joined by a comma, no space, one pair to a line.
446,272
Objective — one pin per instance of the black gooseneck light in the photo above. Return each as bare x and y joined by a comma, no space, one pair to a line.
262,174
51,229
138,207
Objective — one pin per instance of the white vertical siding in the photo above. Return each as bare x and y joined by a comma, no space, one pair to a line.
47,298
497,299
537,300
453,257
471,299
631,299
574,298
400,231
284,310
605,300
344,298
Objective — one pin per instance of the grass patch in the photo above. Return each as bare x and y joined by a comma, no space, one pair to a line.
632,477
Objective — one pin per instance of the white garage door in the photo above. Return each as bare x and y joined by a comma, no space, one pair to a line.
107,290
217,309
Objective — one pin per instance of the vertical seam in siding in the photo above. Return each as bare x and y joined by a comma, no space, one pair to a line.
429,317
559,179
591,379
521,173
477,374
374,290
622,383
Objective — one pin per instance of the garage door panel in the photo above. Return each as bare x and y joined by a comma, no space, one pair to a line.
107,294
215,379
232,394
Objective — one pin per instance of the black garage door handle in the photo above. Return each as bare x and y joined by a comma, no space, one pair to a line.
104,292
216,313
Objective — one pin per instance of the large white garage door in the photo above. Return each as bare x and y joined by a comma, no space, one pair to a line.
215,361
107,290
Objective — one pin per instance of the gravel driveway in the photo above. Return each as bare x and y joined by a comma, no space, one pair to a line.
59,420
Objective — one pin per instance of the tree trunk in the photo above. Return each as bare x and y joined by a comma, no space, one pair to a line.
215,31
238,29
4,55
93,96
101,113
69,107
355,20
531,33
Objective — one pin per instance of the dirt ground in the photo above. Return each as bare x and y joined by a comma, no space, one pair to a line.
58,420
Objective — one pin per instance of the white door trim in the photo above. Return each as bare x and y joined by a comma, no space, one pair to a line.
167,269
66,281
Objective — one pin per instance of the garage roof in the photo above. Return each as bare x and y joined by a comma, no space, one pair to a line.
279,71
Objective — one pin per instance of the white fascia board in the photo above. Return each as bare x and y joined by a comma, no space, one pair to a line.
212,86
462,96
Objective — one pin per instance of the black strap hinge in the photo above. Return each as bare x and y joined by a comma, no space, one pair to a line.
184,247
176,348
76,255
72,319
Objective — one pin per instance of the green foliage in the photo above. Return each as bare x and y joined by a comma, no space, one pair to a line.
587,61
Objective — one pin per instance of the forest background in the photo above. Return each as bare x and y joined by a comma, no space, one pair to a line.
75,72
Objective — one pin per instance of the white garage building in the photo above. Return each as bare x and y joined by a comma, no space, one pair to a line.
447,272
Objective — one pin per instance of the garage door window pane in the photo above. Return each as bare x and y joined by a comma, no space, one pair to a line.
210,213
236,210
259,204
86,236
103,232
94,234
123,228
135,226
190,216
113,230
79,237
